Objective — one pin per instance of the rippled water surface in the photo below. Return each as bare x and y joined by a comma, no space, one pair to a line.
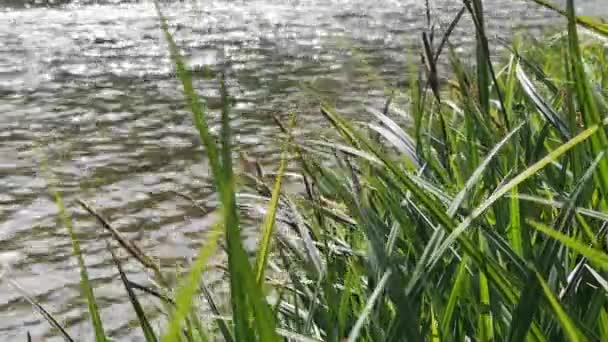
87,89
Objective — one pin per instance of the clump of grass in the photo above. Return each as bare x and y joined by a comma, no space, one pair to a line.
489,224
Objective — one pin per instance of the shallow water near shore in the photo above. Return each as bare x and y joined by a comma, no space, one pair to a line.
89,90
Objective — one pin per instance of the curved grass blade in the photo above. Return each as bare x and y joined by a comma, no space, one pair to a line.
541,105
395,128
395,141
312,251
598,278
348,150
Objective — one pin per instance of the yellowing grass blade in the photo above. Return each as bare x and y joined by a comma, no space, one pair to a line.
268,224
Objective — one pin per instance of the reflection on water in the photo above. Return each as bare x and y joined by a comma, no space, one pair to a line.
88,89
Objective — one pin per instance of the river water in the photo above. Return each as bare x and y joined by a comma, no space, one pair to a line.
88,99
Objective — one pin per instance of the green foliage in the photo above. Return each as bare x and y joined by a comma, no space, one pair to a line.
485,220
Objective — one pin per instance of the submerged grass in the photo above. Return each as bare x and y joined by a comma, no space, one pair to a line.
489,224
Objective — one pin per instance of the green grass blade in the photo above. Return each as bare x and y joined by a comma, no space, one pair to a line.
354,333
238,263
595,255
485,71
456,293
85,283
248,297
435,334
347,293
510,84
483,74
586,100
570,329
294,336
515,233
164,298
242,278
188,287
197,107
486,328
264,320
603,323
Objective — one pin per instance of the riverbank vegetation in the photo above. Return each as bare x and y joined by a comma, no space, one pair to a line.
485,219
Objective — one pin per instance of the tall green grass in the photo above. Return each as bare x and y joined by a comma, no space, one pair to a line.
486,220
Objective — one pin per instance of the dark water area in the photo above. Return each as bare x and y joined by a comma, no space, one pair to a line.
87,88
